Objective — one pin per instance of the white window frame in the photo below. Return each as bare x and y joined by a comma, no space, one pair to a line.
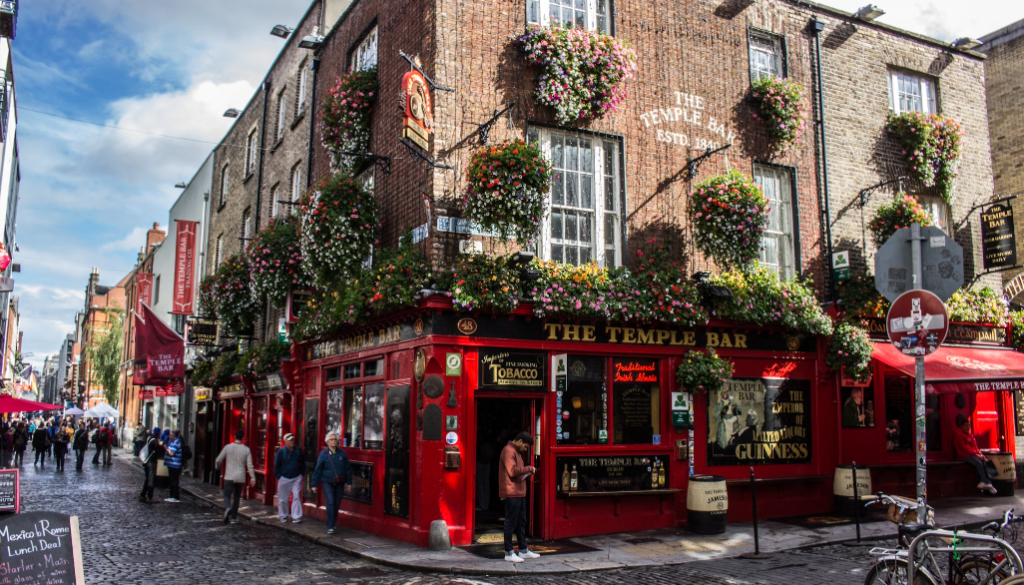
937,208
606,240
303,81
275,195
597,13
780,198
246,227
900,81
224,176
282,109
250,152
364,56
296,184
765,51
219,255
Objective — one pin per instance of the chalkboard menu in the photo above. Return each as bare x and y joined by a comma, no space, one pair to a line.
610,473
10,491
757,421
41,548
1018,411
360,488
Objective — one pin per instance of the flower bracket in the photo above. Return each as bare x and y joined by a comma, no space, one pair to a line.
692,165
382,162
865,194
414,64
1002,199
485,128
428,163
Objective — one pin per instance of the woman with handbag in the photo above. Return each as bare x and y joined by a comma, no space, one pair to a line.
331,473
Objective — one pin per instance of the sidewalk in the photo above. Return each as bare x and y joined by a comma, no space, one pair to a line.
613,551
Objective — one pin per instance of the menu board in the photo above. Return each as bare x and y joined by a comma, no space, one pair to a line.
611,474
10,491
758,421
360,488
41,548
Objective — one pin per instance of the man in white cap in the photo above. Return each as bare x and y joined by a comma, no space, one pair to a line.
288,467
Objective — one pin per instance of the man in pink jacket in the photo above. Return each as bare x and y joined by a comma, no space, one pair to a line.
512,474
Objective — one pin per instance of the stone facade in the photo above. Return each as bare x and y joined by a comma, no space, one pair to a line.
1004,84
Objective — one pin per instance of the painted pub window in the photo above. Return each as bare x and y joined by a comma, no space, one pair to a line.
758,421
588,14
583,407
636,410
858,407
899,416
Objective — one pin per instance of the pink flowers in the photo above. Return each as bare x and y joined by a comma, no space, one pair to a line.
783,108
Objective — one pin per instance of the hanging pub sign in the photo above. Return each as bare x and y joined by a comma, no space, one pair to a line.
269,383
418,120
147,393
202,331
511,369
998,240
760,421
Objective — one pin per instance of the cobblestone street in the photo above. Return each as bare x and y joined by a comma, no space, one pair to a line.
128,542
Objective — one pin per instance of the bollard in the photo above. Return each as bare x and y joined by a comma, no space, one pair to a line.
756,555
856,501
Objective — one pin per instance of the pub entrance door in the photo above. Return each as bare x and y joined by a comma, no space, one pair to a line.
498,421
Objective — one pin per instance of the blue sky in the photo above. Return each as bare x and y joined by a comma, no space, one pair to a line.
88,194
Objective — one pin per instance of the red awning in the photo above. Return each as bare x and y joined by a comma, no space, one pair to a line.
960,369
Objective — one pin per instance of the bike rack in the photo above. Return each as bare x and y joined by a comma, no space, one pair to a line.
996,544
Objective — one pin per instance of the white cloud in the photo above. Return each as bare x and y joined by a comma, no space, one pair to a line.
135,240
945,20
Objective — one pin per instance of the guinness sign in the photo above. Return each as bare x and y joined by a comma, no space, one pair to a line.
508,369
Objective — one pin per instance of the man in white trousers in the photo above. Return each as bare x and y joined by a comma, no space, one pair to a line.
288,467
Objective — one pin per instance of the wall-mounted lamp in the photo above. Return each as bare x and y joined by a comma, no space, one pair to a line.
869,13
180,186
311,42
281,30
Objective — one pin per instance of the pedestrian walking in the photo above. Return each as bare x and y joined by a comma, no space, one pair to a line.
139,438
237,460
967,449
150,455
80,443
172,459
106,442
41,444
60,446
512,474
21,439
331,473
94,438
8,445
288,467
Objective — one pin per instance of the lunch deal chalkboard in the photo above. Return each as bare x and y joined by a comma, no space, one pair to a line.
40,548
758,421
607,473
10,491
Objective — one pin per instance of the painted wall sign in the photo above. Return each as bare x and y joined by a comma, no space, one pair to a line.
999,242
510,369
611,474
959,333
370,339
686,112
760,421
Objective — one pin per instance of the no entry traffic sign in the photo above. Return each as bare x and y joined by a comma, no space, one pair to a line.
917,322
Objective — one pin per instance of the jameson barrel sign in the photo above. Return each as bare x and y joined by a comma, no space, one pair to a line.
41,548
760,421
511,369
997,237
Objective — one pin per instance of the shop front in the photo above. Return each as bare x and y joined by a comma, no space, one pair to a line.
207,439
269,417
231,416
430,399
975,373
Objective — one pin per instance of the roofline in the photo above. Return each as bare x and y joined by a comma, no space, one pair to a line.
192,180
1003,35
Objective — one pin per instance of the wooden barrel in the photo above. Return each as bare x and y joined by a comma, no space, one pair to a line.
1006,482
842,487
707,504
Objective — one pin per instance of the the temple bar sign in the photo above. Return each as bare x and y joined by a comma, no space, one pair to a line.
999,241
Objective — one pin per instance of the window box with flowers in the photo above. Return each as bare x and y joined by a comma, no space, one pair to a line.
482,282
782,107
339,223
900,213
506,190
729,214
758,296
275,260
982,305
345,117
932,146
583,73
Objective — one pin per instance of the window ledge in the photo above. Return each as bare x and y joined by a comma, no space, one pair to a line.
248,176
298,118
277,144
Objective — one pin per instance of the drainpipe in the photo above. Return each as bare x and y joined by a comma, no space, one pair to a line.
315,66
819,26
263,144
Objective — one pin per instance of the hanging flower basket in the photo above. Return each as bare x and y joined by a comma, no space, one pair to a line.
264,358
729,213
207,303
859,297
982,305
932,146
583,73
903,211
231,296
506,187
398,275
339,222
482,282
758,296
782,107
850,348
345,117
703,372
275,260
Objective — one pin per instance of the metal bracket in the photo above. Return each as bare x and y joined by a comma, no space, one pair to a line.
485,128
693,164
866,193
960,223
428,162
412,65
382,162
996,271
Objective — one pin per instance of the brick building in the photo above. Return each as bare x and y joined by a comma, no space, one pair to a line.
1003,86
103,304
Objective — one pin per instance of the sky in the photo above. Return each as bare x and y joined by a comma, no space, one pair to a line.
89,193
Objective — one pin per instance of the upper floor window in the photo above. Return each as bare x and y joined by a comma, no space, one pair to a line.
275,196
282,109
365,54
584,224
250,152
777,249
246,227
303,82
156,290
218,255
937,208
224,175
766,56
296,184
911,93
588,14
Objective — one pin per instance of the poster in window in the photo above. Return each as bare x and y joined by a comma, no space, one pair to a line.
309,441
858,407
334,404
396,453
760,421
373,416
360,488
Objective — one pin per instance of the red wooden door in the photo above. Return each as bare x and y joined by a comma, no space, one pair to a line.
986,420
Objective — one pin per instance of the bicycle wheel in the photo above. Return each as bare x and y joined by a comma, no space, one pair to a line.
1015,580
976,570
894,572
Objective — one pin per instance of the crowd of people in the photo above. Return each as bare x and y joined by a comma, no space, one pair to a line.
55,437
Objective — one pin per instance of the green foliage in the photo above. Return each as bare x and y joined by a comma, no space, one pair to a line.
275,260
339,225
850,348
729,214
482,282
1017,330
860,298
264,358
224,367
932,146
900,213
202,373
782,107
345,117
105,356
231,296
760,297
703,372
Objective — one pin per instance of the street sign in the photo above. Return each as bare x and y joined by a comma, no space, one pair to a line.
841,266
917,323
942,264
998,240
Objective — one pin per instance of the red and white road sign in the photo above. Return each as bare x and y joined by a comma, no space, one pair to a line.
917,322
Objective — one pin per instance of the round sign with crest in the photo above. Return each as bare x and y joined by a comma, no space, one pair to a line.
917,322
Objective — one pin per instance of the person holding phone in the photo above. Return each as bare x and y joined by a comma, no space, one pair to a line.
331,473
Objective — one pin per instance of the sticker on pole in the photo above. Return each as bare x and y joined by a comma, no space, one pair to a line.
917,323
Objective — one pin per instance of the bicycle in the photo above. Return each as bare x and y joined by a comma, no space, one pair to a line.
1007,531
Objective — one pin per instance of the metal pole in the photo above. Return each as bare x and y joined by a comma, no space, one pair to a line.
920,433
856,500
753,501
